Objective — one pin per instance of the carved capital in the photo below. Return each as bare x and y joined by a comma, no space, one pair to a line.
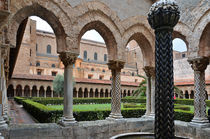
115,65
199,64
68,58
150,71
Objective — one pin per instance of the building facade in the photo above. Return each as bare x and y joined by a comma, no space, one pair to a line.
38,55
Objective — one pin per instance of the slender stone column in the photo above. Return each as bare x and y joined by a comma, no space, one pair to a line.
199,66
3,124
68,60
150,73
148,91
30,95
45,92
152,113
115,67
52,93
162,17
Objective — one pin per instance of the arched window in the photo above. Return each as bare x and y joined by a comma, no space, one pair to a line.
48,49
92,69
36,47
53,65
105,57
103,70
95,56
85,55
37,63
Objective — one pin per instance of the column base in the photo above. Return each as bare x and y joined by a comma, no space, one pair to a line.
150,116
200,122
3,124
115,117
67,121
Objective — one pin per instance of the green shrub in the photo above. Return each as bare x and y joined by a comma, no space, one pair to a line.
208,103
186,116
58,101
19,100
133,105
184,101
181,107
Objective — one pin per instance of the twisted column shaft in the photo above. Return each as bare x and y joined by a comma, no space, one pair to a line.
116,67
199,65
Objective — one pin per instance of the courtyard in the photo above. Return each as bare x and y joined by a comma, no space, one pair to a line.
104,69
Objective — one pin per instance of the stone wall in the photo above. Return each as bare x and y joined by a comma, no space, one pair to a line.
98,130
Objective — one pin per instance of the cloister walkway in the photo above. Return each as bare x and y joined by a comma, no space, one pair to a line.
18,115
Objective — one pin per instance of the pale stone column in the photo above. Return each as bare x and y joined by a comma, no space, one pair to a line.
150,106
68,60
52,93
199,66
37,93
15,94
152,114
2,120
115,67
45,92
30,95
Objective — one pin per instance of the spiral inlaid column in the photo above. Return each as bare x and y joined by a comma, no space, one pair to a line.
162,17
115,67
199,66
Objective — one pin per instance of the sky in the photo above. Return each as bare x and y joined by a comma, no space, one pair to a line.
178,44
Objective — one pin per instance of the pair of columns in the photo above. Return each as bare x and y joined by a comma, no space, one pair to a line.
150,92
199,66
68,60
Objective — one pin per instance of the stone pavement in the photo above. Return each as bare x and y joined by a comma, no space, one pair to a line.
18,115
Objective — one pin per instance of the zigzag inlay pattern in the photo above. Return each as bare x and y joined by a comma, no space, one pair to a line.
164,108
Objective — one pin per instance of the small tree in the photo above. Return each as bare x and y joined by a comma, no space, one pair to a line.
58,85
141,91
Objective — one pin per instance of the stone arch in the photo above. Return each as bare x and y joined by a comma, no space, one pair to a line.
186,94
19,90
204,44
104,25
181,94
10,91
182,31
124,94
192,94
26,91
48,91
80,92
86,92
34,91
52,12
144,38
198,31
75,92
102,92
96,92
91,92
41,91
106,93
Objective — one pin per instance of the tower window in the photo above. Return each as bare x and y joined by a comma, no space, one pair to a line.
95,56
54,73
105,57
48,49
53,65
37,64
85,55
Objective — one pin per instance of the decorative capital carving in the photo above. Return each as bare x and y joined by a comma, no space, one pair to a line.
164,14
199,64
68,58
150,71
115,65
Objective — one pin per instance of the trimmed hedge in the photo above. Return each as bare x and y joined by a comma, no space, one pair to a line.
19,100
184,101
45,114
58,101
181,107
133,105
